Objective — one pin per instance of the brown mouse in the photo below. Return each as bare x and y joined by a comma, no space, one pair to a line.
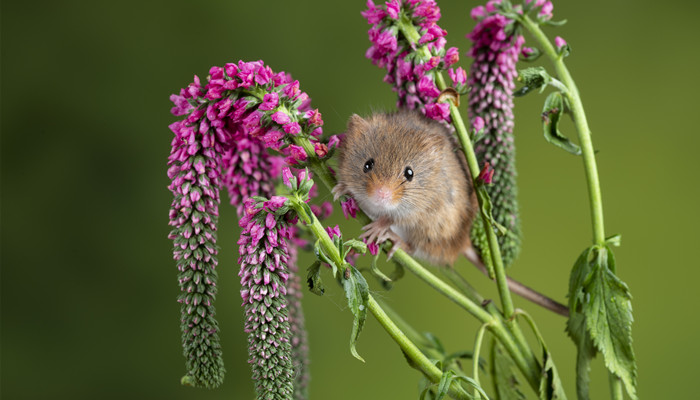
407,173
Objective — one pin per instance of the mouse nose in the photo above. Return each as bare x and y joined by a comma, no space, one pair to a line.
383,193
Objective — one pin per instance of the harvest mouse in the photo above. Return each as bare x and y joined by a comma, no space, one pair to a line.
406,172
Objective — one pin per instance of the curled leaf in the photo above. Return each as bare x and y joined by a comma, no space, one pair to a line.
551,113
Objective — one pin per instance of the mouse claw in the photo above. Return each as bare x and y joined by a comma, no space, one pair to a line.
339,190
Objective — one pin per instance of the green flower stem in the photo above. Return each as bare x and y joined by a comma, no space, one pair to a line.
477,351
411,351
584,133
615,387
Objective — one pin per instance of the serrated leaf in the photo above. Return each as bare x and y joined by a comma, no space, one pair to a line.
505,381
608,315
313,279
357,293
551,113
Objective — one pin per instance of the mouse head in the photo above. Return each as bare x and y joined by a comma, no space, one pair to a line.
387,161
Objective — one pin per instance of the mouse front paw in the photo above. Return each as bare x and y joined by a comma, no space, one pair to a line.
380,231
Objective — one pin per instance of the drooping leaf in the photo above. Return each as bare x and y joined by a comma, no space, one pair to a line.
353,244
601,318
608,316
551,113
313,279
357,293
505,381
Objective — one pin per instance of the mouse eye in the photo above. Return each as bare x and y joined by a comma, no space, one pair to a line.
368,165
408,173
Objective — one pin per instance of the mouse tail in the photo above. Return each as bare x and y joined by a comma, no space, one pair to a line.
518,288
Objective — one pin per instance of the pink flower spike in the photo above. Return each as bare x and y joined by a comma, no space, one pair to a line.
280,117
332,232
559,42
486,174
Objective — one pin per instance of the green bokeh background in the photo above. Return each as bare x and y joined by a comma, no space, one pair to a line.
88,281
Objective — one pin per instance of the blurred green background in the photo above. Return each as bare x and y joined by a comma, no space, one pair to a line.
88,281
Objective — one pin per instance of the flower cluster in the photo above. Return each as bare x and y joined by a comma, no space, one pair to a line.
228,126
412,63
248,108
495,51
264,259
194,170
299,341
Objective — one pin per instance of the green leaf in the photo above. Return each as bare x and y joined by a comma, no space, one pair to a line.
555,23
532,78
614,240
471,382
385,280
357,293
321,256
550,385
313,279
551,113
444,385
435,342
358,245
608,313
505,381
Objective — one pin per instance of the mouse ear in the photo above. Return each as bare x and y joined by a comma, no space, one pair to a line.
357,124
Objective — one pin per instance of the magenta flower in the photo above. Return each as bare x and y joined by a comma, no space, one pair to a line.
264,255
559,42
486,174
280,117
349,207
297,153
477,124
333,232
495,50
320,149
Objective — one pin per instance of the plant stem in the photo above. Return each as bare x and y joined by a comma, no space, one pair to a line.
615,387
477,351
411,351
584,133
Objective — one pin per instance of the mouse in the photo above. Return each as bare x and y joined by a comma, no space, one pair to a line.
409,175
